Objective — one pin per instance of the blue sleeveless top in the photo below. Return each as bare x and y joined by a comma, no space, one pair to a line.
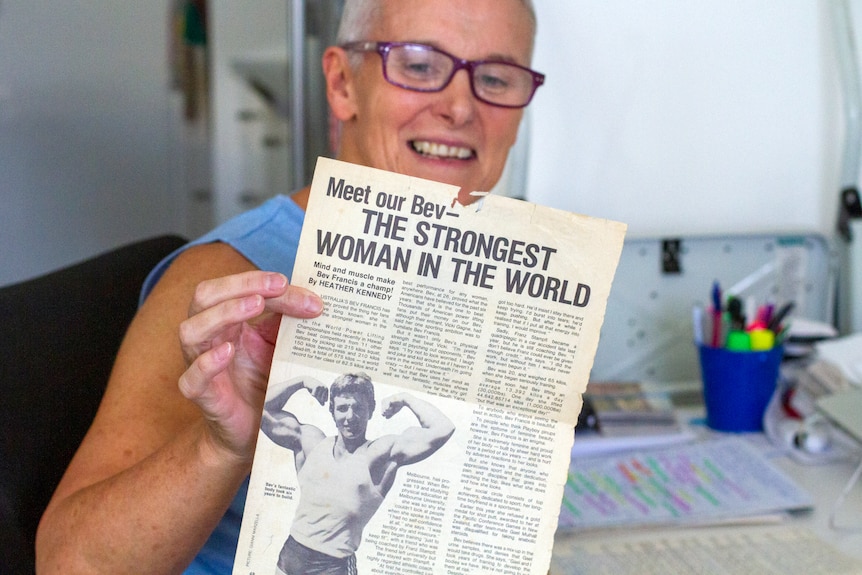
268,236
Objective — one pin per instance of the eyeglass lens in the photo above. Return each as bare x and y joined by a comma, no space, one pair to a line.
423,68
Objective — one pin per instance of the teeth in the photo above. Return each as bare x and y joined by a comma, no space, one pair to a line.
442,150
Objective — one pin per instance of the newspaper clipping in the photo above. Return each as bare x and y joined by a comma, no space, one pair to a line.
423,423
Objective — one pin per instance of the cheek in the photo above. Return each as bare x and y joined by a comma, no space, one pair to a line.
505,128
380,138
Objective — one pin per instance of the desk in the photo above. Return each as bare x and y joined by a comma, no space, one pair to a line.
824,482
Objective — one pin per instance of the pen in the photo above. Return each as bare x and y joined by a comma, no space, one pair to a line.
761,320
737,318
775,321
749,312
769,311
716,314
697,324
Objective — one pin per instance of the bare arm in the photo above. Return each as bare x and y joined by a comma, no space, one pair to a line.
282,427
173,438
417,443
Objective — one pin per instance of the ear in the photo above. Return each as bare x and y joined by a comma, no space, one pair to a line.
340,85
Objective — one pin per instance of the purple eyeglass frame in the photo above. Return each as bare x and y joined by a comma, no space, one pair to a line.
383,48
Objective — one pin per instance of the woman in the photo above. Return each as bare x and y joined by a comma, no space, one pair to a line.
160,474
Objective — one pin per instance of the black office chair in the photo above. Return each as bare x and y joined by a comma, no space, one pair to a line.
60,335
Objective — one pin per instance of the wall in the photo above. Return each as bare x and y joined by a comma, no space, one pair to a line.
241,174
85,130
253,136
719,116
679,117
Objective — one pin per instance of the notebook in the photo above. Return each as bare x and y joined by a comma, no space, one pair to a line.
844,409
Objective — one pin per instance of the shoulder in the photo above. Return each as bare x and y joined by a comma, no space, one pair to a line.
267,237
314,441
380,447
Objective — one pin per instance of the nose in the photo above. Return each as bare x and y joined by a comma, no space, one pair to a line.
456,103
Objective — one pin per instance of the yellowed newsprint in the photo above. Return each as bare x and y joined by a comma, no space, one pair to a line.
423,424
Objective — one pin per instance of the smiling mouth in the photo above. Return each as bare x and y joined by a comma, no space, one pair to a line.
432,150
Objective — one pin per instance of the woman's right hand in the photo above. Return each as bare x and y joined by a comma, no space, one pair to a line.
174,420
228,342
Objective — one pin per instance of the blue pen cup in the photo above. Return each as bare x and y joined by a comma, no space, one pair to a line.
737,386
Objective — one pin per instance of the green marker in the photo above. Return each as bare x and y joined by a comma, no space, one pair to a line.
739,340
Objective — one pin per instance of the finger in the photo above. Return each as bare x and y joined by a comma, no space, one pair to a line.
194,383
199,331
267,325
215,291
296,302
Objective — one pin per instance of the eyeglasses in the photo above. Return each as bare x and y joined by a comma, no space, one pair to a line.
424,68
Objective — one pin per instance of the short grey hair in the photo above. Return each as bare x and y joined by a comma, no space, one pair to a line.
357,20
359,16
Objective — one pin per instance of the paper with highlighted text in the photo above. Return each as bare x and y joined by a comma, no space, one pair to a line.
487,318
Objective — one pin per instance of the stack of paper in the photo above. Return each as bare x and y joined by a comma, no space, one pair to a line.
704,482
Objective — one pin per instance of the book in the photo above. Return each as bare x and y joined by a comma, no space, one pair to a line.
620,408
619,416
423,423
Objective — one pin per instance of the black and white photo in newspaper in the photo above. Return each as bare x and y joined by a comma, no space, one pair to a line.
423,423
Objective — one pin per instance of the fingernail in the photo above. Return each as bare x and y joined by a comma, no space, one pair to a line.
223,351
276,281
252,302
313,304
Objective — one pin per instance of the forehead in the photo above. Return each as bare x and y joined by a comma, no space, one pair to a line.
475,29
346,399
